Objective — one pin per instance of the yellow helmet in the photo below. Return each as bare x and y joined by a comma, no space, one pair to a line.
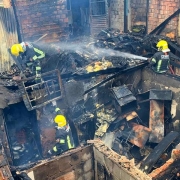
16,49
162,45
60,120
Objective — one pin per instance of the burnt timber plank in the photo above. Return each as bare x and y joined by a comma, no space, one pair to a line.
170,172
153,157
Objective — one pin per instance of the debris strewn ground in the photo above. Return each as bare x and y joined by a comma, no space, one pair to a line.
122,160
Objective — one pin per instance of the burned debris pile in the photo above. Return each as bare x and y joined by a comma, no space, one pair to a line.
92,55
97,102
133,125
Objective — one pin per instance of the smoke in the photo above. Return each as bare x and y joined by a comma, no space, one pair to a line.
87,49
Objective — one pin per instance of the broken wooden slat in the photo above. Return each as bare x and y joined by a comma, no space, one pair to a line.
153,157
156,121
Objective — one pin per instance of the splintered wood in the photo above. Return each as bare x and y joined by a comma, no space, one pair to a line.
102,152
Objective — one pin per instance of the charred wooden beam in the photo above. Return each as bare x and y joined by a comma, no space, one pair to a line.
129,69
5,173
169,169
153,157
163,24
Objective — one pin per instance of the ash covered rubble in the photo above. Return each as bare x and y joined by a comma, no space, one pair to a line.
99,105
91,55
109,52
134,125
106,52
122,123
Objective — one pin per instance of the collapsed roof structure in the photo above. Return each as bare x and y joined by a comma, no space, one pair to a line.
124,118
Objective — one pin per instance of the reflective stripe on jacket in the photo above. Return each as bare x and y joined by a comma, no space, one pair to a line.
39,54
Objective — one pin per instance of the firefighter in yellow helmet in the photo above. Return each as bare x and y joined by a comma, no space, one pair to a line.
160,61
64,140
28,56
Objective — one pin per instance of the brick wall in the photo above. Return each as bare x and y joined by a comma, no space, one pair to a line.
159,11
138,12
39,17
117,14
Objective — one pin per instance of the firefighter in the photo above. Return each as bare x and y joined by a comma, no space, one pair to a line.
160,61
30,56
64,139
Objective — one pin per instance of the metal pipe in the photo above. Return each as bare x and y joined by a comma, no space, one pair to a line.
126,15
147,13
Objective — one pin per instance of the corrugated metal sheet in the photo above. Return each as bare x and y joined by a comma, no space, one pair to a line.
8,36
98,16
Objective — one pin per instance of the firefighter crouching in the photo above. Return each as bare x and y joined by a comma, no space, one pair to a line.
64,140
28,56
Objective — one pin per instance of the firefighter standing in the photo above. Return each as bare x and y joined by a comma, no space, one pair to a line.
29,55
64,139
160,61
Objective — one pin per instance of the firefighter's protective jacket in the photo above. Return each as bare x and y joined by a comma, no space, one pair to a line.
160,62
65,140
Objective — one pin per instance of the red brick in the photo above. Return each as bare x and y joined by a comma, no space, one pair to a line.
163,8
162,12
173,4
66,20
171,9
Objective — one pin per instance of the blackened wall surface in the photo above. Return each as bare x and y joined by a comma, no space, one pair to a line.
39,17
144,80
117,14
151,80
138,12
